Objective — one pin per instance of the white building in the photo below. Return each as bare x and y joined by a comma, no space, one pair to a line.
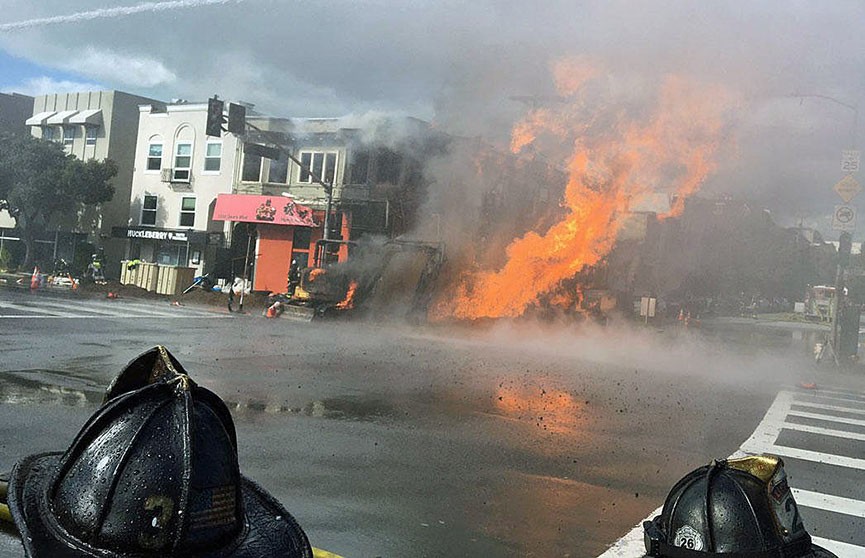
179,171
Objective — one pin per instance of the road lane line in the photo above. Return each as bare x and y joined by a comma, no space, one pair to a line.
824,431
841,549
837,504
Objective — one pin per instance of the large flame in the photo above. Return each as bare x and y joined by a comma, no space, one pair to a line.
615,159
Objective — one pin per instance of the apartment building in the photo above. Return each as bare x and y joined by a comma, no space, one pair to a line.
179,172
91,125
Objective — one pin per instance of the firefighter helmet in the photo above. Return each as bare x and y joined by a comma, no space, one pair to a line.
153,472
731,508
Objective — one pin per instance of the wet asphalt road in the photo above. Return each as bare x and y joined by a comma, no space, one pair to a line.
391,440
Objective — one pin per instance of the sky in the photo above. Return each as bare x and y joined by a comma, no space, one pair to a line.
797,66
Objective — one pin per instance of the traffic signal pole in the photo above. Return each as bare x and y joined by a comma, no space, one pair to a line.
237,125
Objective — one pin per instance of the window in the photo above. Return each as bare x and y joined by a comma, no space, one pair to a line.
182,162
251,168
154,156
148,211
90,135
68,135
48,133
389,167
322,164
278,173
360,167
187,212
212,156
302,238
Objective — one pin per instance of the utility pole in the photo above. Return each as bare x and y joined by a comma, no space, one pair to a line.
843,220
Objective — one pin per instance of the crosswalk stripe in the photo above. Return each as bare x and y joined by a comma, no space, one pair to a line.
26,308
56,308
763,440
824,431
828,407
820,501
829,418
843,401
808,455
841,549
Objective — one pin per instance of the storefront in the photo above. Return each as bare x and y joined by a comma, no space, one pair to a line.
185,248
284,230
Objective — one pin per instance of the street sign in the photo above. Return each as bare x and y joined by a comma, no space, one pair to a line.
844,218
847,188
850,160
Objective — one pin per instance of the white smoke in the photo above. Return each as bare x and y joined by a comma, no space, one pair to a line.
111,12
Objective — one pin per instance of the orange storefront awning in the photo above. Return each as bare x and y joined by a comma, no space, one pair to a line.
273,210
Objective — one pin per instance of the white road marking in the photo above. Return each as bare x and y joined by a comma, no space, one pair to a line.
27,308
829,407
763,440
841,549
828,418
839,504
824,431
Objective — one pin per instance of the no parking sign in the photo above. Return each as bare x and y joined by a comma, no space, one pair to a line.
844,218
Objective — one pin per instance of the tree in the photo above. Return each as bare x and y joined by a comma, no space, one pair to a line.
39,182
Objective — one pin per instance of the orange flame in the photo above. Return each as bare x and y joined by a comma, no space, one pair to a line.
614,161
348,302
314,273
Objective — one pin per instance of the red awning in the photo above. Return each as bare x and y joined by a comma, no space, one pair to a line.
274,210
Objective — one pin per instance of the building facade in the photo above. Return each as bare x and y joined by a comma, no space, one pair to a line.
179,172
91,125
374,169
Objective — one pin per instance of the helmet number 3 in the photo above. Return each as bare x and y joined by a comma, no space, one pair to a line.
688,537
160,508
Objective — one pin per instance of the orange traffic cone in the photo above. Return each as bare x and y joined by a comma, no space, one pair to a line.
681,315
112,295
271,312
34,279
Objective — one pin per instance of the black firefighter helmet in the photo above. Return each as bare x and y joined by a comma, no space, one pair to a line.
732,508
153,472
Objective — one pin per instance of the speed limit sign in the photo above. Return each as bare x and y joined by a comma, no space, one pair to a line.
844,218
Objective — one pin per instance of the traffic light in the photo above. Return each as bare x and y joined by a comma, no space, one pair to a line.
236,119
214,117
845,244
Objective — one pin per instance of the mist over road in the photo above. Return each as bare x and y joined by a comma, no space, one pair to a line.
386,440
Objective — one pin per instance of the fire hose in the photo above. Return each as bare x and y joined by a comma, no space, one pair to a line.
6,516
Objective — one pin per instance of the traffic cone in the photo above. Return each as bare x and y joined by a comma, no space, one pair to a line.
681,315
34,279
112,295
271,312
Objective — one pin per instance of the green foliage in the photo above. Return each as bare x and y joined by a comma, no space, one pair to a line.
38,181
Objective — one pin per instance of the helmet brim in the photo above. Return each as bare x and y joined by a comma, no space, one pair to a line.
819,552
269,530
